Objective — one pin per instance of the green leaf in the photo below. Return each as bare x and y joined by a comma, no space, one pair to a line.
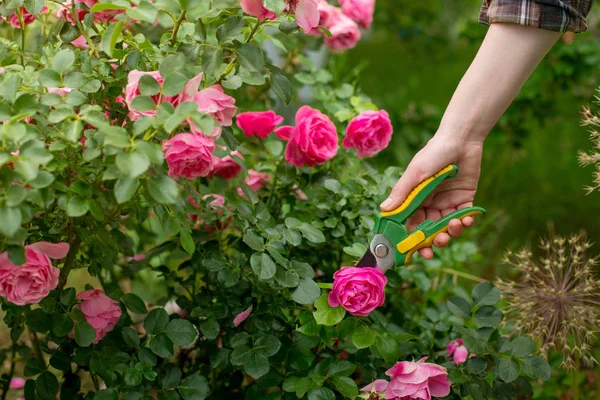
46,386
251,57
346,386
186,240
39,321
145,11
229,139
522,347
282,87
536,367
77,207
476,365
341,368
148,85
134,303
232,28
321,393
485,294
174,84
34,7
84,333
15,195
143,103
16,255
194,387
161,345
181,332
131,337
363,337
63,60
508,370
11,220
263,266
67,297
277,6
388,347
460,307
49,78
307,292
267,346
111,36
503,391
125,188
254,241
163,189
327,315
311,233
156,321
256,365
488,316
132,163
62,325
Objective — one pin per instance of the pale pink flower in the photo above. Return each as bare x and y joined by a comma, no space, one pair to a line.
81,43
361,11
31,282
358,290
132,90
307,13
100,311
417,380
370,132
241,317
345,33
188,155
257,9
13,19
62,92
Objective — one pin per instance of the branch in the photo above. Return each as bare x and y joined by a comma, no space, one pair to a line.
69,263
10,373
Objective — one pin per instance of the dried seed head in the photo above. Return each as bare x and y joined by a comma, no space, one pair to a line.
558,298
592,118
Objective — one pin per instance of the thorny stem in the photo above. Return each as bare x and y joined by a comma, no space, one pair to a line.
10,373
177,25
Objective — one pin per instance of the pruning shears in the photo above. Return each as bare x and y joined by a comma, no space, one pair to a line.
393,244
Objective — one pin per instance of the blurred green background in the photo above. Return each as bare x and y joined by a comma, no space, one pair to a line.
531,182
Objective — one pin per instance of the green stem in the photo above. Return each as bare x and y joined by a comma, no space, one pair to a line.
22,24
575,381
95,381
37,349
69,263
80,27
10,373
325,285
233,62
177,25
463,275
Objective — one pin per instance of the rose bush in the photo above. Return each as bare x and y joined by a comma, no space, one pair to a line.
162,236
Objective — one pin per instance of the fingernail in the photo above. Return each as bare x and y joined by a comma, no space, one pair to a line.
386,203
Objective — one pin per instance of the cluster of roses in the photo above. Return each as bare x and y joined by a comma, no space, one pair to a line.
31,282
342,23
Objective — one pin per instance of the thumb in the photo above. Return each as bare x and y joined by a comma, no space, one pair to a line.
411,178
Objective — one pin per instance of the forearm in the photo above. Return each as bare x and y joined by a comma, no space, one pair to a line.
507,57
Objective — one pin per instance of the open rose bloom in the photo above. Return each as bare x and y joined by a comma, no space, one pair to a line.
358,290
100,311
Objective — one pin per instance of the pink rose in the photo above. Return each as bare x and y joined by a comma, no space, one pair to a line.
241,317
81,43
458,351
214,102
31,282
17,383
417,380
361,11
358,290
256,180
13,19
188,155
132,90
344,33
307,13
256,9
227,167
260,123
314,139
377,386
369,133
82,9
327,14
285,132
100,311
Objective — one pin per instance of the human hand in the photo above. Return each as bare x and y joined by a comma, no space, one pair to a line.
451,195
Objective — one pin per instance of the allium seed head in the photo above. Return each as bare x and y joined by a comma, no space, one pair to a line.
557,300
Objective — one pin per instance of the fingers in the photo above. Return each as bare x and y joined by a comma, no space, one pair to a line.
427,253
455,230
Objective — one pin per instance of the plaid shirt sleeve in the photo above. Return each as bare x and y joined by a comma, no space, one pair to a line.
553,15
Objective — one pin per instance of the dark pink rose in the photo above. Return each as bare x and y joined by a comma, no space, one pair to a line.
260,123
369,133
17,383
314,139
307,13
358,290
188,155
13,19
458,351
100,311
227,167
345,33
361,11
417,380
285,132
31,282
256,180
241,317
256,9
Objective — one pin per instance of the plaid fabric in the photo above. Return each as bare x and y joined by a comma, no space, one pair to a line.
553,15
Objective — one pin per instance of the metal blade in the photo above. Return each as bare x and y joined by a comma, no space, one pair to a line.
368,260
